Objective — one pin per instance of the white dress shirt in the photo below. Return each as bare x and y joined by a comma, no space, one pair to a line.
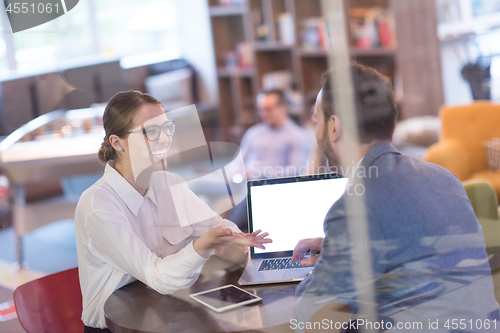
122,236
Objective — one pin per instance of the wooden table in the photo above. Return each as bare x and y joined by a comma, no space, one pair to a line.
136,308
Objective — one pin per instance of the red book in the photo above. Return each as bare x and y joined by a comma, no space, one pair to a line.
385,32
323,37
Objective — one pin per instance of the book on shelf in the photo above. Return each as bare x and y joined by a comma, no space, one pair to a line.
286,28
313,34
240,58
372,27
244,52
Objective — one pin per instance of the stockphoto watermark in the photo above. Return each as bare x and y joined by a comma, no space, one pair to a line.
429,325
258,171
26,14
328,324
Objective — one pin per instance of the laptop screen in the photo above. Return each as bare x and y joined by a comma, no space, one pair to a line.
291,209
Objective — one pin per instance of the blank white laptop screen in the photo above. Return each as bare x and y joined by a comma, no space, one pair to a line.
290,212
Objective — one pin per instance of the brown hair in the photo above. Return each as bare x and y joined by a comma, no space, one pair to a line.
278,92
376,110
118,118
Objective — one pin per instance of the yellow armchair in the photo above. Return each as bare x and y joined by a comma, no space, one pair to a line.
464,131
451,155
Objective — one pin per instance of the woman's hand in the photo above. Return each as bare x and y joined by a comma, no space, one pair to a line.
222,237
236,252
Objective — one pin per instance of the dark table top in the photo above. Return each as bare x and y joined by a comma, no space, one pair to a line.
137,308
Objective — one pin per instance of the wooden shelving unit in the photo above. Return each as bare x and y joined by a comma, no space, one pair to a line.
375,52
257,23
227,10
235,72
272,46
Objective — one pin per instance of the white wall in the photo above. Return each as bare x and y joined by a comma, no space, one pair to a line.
197,46
456,89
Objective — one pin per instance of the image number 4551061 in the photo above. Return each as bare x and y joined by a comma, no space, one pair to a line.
26,14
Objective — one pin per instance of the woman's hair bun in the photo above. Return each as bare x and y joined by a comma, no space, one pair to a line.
106,152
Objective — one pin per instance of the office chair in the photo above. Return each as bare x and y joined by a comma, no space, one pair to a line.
51,304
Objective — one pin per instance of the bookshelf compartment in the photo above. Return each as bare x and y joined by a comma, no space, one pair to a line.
228,31
272,61
307,8
373,52
260,27
227,10
235,71
368,3
312,71
277,9
249,115
226,107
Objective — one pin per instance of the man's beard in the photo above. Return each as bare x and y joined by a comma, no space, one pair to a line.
332,158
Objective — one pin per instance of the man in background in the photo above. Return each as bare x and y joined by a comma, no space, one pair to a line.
275,148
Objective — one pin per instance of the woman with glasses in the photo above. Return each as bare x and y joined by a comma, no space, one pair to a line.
139,221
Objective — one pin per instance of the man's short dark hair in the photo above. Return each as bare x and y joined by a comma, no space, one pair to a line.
277,92
376,110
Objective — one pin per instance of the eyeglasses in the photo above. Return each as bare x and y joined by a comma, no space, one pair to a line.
153,132
270,108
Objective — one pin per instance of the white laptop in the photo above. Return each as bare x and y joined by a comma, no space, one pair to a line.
290,209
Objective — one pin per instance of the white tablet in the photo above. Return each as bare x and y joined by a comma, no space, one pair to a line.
224,298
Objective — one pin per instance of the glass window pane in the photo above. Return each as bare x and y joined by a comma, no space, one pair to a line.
484,7
4,65
50,45
128,27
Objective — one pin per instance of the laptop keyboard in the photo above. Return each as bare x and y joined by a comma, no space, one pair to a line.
278,263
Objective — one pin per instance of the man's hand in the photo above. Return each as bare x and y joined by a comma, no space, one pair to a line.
313,244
